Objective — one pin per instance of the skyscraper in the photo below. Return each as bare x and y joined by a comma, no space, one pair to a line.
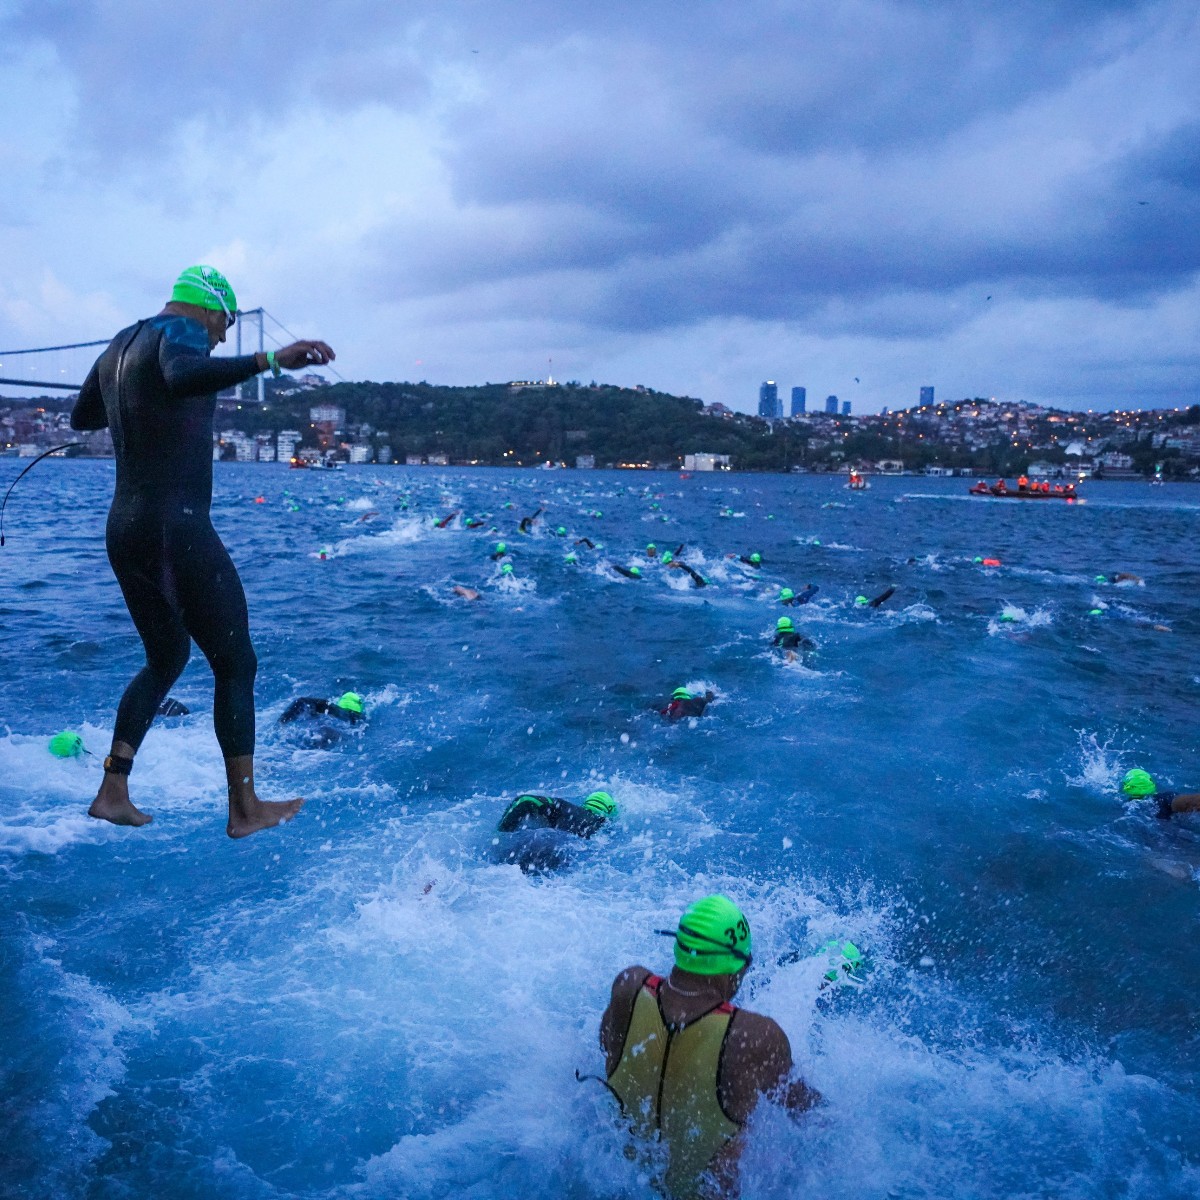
831,403
799,401
926,396
845,408
768,401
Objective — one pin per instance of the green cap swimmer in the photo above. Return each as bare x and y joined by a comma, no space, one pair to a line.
66,745
507,569
756,558
786,594
1138,784
636,572
713,938
571,557
861,601
681,693
351,701
841,956
205,287
602,804
668,557
501,548
784,625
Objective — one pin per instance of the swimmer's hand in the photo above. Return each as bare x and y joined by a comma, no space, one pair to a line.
305,354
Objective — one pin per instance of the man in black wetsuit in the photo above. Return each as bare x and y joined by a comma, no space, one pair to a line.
789,639
532,815
155,389
322,717
684,704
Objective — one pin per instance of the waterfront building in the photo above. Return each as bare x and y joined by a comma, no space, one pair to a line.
831,405
286,444
706,462
799,401
845,408
926,396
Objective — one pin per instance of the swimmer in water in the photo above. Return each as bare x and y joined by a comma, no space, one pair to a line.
532,816
583,541
1138,785
628,572
863,602
1119,577
790,598
499,552
446,519
687,1067
789,639
526,523
684,704
155,387
465,592
322,717
752,560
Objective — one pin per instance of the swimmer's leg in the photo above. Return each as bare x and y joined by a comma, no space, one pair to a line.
214,610
145,586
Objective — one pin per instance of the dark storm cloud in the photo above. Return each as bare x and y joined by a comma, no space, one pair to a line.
642,167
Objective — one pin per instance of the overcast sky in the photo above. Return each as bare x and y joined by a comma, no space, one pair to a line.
997,198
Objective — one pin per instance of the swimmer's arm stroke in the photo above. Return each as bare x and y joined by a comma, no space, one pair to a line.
88,412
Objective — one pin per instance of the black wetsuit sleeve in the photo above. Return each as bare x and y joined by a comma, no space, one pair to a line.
88,412
572,818
526,810
306,706
1165,802
188,369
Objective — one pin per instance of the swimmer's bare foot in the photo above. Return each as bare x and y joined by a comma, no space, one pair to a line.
247,813
112,804
112,801
249,816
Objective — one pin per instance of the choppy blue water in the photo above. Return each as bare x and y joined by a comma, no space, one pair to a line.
365,1004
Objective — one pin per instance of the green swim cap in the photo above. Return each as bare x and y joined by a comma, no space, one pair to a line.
506,569
501,548
1137,783
351,701
571,557
1095,612
602,804
861,600
206,287
681,693
1101,578
978,558
561,531
66,745
784,623
713,938
842,956
636,572
667,556
651,548
756,557
786,594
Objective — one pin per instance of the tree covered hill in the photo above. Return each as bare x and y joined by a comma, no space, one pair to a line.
497,424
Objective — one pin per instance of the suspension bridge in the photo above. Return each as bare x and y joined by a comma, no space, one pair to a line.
57,368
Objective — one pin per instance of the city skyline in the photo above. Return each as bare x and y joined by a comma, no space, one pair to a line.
450,193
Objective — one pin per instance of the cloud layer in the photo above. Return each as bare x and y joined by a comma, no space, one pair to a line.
1000,199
